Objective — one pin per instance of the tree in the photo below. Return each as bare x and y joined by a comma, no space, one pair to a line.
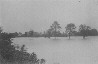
55,28
21,54
11,53
42,61
70,28
93,32
6,47
31,32
1,29
49,33
84,30
33,58
20,34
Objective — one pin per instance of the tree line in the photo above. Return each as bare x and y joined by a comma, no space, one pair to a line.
55,31
70,30
11,53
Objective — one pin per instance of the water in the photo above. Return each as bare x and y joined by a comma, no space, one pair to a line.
62,50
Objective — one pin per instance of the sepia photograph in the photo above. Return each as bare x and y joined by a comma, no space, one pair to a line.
48,31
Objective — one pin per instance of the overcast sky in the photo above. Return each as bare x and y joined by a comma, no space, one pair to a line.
24,15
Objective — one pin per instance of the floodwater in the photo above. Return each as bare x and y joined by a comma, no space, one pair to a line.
62,50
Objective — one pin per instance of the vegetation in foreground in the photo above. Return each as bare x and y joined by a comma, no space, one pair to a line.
14,54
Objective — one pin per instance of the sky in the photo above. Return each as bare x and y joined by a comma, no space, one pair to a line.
38,15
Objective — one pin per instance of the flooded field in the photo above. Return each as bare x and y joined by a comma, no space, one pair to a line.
62,50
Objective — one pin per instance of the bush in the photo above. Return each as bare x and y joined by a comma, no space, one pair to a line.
10,53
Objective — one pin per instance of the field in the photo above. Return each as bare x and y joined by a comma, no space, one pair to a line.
62,50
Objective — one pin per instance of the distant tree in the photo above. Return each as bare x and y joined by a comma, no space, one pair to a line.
49,33
93,32
88,29
44,34
14,34
31,32
84,30
20,34
70,28
55,28
26,34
